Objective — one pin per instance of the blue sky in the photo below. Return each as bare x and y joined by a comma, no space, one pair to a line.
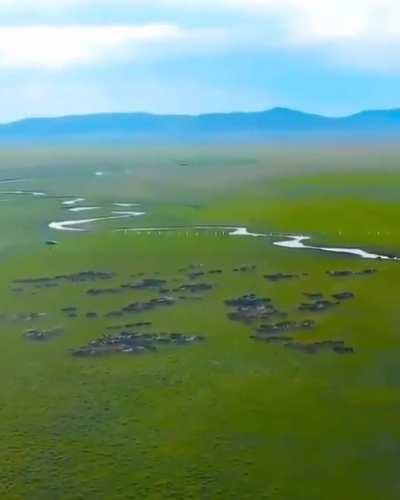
191,56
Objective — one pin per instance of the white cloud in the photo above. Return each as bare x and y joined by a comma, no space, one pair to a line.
356,33
322,20
364,33
57,47
20,4
302,21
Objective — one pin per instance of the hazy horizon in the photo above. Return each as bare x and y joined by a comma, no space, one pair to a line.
194,115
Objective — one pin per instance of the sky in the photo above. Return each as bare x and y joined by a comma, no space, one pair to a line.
333,57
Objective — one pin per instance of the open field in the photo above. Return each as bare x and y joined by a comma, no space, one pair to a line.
296,413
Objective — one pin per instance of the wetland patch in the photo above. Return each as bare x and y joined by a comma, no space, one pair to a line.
134,343
39,335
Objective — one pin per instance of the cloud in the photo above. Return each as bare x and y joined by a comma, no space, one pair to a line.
20,4
315,21
300,21
360,33
57,47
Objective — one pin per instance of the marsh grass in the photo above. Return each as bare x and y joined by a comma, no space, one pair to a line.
228,418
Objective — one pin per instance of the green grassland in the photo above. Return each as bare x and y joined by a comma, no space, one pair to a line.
229,418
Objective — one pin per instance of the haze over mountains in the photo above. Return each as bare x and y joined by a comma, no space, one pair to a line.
265,126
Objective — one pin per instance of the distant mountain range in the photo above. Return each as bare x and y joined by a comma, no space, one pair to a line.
144,128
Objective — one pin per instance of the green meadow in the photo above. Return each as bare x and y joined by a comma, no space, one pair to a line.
231,417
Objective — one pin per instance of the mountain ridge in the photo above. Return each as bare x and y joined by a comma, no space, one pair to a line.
139,127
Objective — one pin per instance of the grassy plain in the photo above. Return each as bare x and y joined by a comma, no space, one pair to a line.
230,418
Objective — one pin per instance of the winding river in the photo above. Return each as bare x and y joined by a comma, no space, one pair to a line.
296,242
289,241
74,225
